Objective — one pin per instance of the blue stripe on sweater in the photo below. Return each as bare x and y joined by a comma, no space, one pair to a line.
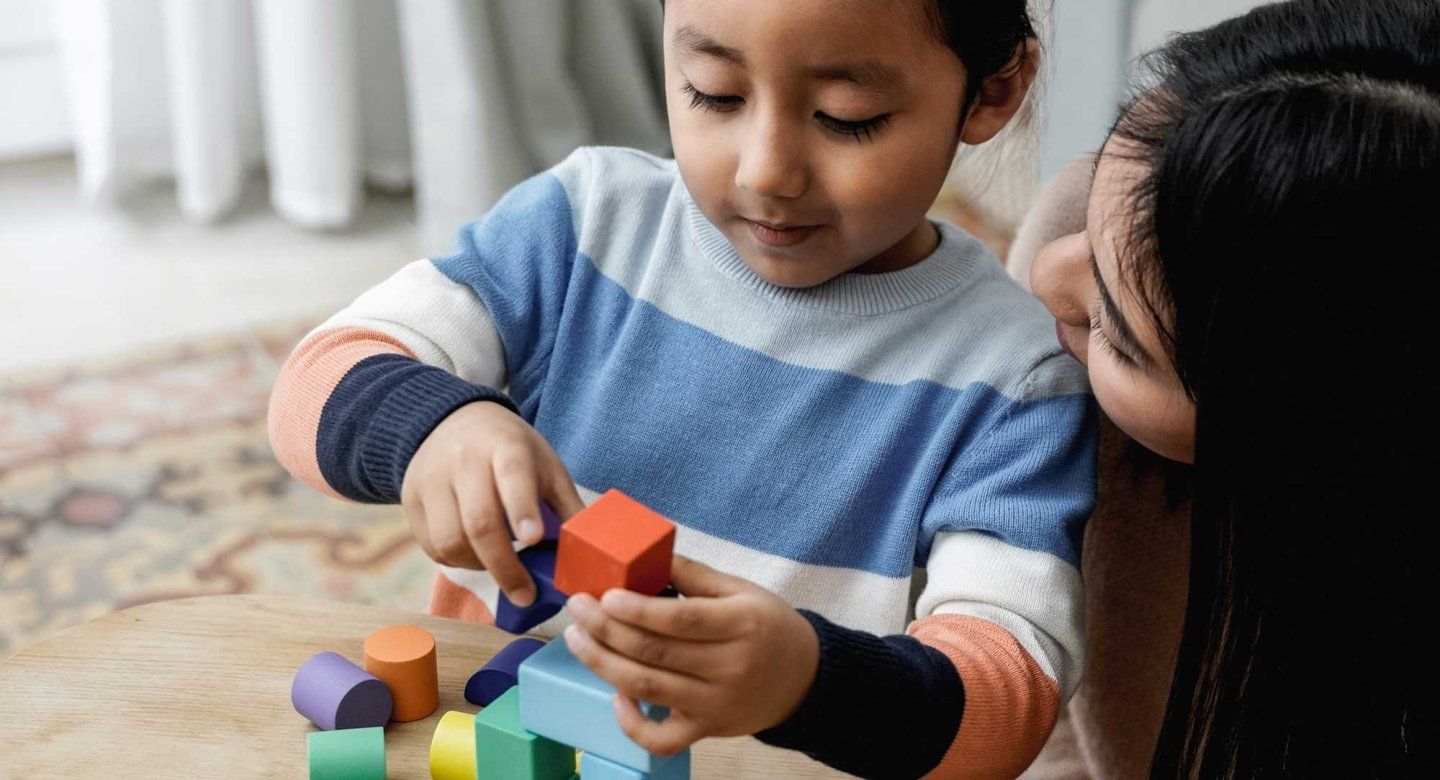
817,466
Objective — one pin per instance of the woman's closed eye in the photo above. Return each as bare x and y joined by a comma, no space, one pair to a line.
857,129
1105,342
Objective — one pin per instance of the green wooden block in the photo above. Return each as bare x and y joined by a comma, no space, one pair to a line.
347,754
504,750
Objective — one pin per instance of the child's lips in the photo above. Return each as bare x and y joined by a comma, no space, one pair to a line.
779,235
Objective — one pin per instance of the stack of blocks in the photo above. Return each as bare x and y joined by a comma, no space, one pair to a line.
541,703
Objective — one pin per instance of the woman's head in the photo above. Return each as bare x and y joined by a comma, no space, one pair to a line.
1264,220
1267,155
835,122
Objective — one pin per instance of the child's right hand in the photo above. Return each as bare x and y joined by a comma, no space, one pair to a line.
479,466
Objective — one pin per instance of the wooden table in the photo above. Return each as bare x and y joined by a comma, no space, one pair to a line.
200,688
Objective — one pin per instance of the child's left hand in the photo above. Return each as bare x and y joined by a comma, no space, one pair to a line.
731,658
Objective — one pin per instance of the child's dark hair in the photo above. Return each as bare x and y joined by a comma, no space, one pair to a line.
1282,233
985,35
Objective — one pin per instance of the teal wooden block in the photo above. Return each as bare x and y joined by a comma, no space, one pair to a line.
504,749
593,767
568,703
346,754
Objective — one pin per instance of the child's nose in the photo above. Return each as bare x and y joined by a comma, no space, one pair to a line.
1062,278
771,164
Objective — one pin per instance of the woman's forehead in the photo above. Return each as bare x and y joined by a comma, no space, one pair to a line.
1111,213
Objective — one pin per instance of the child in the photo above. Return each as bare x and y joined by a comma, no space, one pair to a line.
768,342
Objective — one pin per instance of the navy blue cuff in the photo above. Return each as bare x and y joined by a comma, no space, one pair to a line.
879,706
377,417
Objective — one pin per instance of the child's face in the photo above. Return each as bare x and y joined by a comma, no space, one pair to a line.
814,134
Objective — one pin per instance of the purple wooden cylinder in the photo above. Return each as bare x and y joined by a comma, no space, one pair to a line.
336,694
501,672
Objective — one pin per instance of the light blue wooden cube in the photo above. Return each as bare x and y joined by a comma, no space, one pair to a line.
593,767
564,701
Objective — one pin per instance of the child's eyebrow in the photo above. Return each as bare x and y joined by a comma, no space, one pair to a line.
866,73
693,40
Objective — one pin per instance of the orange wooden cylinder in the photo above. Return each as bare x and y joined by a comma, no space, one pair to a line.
404,657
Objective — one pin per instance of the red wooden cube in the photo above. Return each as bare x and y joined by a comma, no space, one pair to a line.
616,542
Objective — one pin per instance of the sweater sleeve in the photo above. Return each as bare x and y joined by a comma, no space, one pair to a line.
361,392
973,689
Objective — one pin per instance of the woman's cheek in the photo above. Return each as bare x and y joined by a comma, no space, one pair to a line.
1147,411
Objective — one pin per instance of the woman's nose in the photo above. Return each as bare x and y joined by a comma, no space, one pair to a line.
1062,278
771,164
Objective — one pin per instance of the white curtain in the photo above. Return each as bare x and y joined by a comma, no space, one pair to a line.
327,95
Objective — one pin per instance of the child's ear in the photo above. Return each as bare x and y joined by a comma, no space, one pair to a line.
1002,94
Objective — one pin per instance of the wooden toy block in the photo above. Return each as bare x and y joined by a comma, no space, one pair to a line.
563,700
540,562
452,749
347,754
593,767
404,658
504,748
336,694
616,542
501,672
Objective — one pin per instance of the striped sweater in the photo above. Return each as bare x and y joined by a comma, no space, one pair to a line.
822,442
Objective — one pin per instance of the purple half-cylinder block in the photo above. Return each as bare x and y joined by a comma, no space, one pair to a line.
549,520
540,562
500,673
336,694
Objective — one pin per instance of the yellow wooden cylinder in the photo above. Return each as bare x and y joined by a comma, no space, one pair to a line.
452,749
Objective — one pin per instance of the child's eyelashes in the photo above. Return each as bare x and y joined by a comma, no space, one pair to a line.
720,103
859,130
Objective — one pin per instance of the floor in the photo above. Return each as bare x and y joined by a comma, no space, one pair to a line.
137,352
79,282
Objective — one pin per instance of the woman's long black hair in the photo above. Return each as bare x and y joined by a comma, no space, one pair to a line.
1285,238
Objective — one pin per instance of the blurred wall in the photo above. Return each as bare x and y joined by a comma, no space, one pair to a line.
33,115
1094,44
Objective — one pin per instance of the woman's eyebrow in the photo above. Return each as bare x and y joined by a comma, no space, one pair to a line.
1123,333
696,42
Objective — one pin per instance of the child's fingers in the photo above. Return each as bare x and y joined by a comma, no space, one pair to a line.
630,678
514,470
662,652
696,619
666,737
489,537
415,513
447,535
559,486
693,578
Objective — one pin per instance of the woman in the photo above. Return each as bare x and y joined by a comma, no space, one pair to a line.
1244,284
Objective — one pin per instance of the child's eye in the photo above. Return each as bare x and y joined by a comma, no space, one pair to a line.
720,103
859,130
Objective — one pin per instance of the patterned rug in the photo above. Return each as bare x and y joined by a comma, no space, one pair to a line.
150,478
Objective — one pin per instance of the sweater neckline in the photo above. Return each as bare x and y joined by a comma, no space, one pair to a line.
952,263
